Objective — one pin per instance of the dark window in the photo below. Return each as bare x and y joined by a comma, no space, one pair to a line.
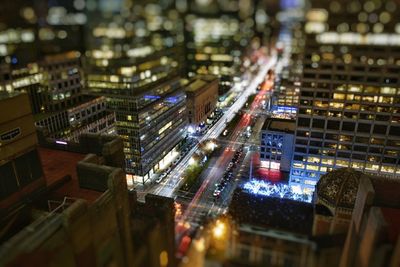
394,130
361,148
343,155
304,122
318,123
389,160
358,156
379,129
316,143
301,142
301,150
298,157
348,126
363,127
317,135
8,181
333,125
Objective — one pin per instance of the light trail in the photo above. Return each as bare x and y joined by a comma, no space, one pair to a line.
174,179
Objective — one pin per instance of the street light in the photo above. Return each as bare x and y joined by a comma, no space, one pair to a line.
219,230
192,161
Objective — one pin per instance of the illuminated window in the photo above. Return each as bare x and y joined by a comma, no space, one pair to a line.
310,182
339,96
336,105
298,165
342,163
312,167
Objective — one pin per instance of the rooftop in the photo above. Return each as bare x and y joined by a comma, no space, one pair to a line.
269,212
199,82
338,188
57,165
279,125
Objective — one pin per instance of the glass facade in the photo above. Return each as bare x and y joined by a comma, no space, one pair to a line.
150,109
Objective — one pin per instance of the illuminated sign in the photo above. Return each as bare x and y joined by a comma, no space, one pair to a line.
7,136
268,189
152,97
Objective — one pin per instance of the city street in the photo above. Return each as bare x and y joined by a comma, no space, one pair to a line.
172,182
203,203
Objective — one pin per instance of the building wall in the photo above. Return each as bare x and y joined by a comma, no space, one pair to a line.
20,169
348,112
201,103
281,143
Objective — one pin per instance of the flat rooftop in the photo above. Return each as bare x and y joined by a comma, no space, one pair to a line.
57,164
199,82
270,212
279,125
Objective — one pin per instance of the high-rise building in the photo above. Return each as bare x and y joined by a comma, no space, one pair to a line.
150,105
216,36
350,97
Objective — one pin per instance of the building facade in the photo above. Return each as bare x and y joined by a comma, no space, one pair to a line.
349,101
202,97
59,105
150,108
276,149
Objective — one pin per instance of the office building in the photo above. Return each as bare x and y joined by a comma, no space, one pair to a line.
276,149
350,99
201,100
216,35
150,106
54,86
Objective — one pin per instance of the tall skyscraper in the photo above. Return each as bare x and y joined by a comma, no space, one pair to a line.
349,110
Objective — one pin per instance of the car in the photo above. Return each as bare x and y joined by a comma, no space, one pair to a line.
160,178
217,193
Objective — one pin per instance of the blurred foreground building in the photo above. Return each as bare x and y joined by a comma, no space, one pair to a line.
81,214
352,221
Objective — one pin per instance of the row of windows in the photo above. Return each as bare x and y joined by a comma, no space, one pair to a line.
349,126
314,169
352,78
355,115
86,112
301,152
